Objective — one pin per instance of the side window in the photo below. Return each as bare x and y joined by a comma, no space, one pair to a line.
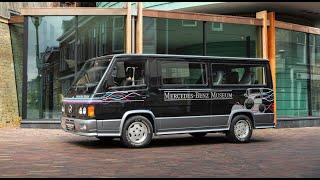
127,73
183,73
230,74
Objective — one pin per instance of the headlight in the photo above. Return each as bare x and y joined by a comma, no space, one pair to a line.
80,110
84,110
63,109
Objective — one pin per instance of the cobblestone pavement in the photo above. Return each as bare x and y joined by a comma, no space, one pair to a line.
54,153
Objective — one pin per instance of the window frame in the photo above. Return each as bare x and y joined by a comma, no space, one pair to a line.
182,85
265,76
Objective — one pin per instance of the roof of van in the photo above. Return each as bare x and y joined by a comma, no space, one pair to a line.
188,56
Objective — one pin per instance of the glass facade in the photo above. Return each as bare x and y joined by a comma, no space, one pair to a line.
172,36
58,46
314,47
291,73
234,40
298,82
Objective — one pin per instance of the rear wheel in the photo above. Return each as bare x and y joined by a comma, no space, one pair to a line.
198,134
240,129
136,132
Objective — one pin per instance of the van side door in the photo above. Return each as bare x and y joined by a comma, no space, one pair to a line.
126,88
179,106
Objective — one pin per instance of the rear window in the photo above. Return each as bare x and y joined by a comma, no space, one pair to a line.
183,73
234,74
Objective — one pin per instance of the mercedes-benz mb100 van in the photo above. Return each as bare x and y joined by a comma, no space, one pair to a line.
136,97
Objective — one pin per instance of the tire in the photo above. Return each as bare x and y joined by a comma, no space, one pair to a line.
240,129
136,132
198,134
105,138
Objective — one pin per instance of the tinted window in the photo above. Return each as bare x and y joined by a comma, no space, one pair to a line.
127,73
237,74
187,73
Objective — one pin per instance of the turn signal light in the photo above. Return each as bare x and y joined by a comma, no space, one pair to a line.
90,111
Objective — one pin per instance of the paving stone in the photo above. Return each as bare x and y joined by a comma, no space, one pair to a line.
289,152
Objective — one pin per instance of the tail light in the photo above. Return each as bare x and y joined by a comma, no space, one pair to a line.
90,111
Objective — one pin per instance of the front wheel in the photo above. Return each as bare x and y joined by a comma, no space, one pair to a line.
136,132
240,129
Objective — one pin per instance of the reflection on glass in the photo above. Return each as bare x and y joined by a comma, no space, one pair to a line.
291,73
44,65
234,40
314,44
58,46
170,36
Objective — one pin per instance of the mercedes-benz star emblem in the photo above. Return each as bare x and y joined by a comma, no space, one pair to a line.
70,108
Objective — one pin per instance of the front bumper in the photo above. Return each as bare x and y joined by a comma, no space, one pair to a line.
83,127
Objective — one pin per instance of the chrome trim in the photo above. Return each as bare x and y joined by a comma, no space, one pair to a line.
178,117
109,134
191,131
109,120
80,133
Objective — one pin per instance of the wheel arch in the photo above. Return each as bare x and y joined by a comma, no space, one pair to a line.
241,112
146,113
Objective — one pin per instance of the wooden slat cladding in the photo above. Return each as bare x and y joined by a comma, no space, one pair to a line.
72,11
297,27
202,17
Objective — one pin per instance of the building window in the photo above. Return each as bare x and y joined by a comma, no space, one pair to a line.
291,73
173,36
65,43
234,40
314,44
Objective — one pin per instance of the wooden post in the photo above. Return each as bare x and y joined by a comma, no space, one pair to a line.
263,15
139,29
272,57
128,29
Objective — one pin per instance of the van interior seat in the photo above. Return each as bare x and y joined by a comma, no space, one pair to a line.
232,78
246,78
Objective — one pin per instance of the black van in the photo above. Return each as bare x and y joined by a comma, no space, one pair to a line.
136,97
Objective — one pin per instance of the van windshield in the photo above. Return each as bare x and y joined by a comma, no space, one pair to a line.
88,78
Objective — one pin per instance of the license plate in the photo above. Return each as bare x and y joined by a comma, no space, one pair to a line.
69,127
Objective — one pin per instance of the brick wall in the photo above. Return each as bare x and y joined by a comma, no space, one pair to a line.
9,115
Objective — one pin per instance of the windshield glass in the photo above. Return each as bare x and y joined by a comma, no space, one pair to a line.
88,77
